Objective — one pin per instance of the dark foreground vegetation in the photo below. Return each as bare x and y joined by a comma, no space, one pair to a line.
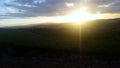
95,44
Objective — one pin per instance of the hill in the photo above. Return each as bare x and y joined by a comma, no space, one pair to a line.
66,45
93,36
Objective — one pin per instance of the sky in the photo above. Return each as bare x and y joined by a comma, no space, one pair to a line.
23,12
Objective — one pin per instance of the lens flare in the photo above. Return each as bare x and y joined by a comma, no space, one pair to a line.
79,16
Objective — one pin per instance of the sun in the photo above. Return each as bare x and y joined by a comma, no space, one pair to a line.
79,16
83,15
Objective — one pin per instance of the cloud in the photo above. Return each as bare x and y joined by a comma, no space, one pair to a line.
38,1
35,8
105,6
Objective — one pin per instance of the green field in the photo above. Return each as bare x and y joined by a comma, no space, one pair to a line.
100,36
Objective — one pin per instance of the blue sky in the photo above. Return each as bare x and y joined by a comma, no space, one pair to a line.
16,11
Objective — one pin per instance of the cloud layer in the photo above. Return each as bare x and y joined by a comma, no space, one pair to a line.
34,8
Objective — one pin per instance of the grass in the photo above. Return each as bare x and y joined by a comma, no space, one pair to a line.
59,45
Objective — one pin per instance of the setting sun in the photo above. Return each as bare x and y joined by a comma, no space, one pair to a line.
83,15
80,16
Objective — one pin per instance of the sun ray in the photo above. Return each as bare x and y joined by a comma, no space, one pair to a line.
79,16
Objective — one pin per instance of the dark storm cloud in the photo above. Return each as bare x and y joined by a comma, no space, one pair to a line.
33,8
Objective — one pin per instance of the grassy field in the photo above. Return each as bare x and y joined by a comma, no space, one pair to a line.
56,38
60,44
95,36
102,36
